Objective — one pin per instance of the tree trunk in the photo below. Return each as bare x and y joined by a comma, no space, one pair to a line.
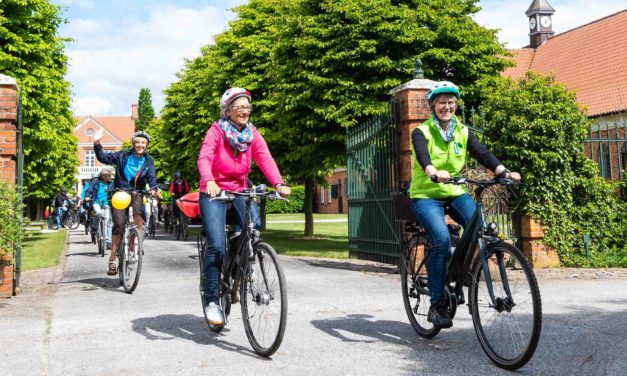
309,194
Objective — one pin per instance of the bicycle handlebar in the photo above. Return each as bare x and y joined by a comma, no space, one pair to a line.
459,180
230,196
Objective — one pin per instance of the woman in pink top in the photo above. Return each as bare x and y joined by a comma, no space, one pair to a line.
224,162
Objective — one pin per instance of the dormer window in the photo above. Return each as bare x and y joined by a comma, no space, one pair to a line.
89,132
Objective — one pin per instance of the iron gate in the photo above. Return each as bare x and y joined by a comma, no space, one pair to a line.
373,173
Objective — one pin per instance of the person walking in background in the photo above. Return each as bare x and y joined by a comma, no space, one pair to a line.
61,204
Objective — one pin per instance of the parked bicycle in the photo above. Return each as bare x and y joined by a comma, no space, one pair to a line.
504,298
252,270
131,250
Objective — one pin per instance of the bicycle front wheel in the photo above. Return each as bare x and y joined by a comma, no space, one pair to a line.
263,294
508,327
414,285
101,238
131,262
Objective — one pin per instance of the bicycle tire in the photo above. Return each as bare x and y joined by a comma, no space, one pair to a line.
415,300
73,221
178,230
257,297
101,239
132,265
524,290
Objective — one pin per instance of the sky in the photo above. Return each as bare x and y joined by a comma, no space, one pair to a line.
122,46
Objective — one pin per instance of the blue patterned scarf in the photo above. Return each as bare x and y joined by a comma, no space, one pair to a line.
239,140
448,134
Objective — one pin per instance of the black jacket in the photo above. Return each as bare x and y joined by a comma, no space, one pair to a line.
119,159
60,200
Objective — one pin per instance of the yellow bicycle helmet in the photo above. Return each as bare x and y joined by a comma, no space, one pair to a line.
121,200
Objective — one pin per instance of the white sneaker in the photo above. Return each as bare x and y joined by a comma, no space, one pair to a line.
214,314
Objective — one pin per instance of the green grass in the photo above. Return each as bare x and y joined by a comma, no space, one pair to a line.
42,250
330,239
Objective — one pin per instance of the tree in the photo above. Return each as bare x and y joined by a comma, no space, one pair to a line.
535,126
32,53
316,67
336,60
145,111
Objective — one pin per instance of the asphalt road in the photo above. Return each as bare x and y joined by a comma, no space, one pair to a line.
345,318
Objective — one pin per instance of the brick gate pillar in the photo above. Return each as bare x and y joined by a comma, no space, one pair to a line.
8,128
412,109
8,158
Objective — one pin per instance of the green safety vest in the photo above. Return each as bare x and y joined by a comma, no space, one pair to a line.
444,156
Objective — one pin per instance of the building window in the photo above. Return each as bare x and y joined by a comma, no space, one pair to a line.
89,132
90,159
321,195
329,196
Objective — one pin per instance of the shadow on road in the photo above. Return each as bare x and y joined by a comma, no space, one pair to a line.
352,265
89,254
109,284
189,327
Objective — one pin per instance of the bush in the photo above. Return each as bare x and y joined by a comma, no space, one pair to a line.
11,218
295,205
536,127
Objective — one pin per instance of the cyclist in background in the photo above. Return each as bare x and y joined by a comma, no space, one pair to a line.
61,205
225,158
441,146
134,169
178,188
98,195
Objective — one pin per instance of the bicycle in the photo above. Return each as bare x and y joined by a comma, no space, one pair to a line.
251,266
182,227
152,219
131,250
504,298
100,234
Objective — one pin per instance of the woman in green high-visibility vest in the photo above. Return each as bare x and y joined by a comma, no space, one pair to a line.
441,146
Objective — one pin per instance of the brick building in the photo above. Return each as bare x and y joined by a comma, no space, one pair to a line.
332,199
118,129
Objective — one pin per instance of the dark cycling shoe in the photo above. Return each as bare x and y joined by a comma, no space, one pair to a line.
439,316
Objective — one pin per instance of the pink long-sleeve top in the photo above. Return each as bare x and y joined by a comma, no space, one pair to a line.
217,161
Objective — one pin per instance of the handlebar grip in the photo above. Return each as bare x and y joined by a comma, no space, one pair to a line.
434,178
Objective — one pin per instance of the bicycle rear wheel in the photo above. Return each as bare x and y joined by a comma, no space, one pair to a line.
225,303
509,329
132,261
263,294
102,246
414,285
73,221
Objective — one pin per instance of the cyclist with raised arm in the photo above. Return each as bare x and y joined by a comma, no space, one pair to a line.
134,169
441,146
230,146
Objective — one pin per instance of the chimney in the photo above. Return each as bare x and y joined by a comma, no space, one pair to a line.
134,111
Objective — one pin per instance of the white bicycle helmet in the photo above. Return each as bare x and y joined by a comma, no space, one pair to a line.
442,87
232,94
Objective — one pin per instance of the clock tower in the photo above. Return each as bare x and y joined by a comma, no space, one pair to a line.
540,23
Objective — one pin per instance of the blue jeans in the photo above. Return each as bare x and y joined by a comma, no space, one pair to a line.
430,214
213,215
60,214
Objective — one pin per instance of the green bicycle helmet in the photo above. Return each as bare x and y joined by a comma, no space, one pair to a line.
442,87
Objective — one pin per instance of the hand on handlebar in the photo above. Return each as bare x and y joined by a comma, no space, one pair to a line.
212,188
515,176
284,190
441,176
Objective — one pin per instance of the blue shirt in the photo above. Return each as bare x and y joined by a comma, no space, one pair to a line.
102,197
85,188
133,165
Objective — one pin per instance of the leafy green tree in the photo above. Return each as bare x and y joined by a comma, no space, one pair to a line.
145,111
32,53
536,127
336,60
316,67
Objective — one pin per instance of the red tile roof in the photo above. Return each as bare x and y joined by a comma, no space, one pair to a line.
591,60
122,127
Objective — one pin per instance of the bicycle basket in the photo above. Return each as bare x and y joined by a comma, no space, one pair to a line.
402,207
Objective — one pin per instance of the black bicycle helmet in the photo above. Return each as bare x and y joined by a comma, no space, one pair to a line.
141,134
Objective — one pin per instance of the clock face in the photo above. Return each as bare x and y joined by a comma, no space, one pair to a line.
545,21
532,23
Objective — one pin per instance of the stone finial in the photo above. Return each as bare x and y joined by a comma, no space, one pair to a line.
418,72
